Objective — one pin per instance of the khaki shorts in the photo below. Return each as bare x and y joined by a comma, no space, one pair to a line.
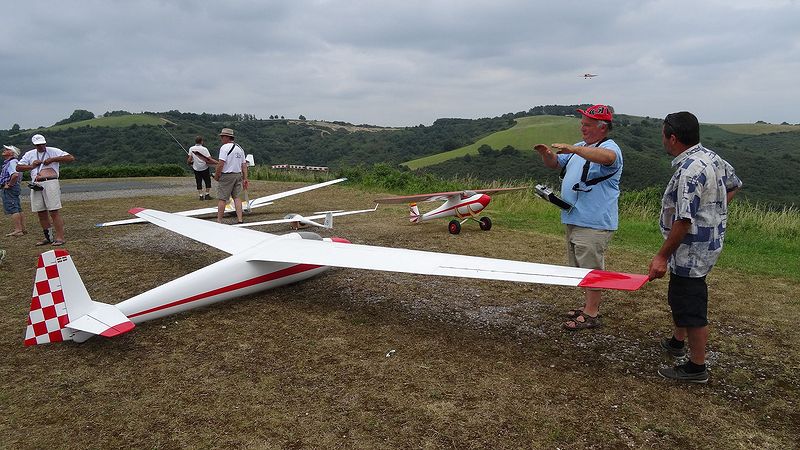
586,247
48,199
229,185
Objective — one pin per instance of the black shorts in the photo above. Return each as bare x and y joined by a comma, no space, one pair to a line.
688,299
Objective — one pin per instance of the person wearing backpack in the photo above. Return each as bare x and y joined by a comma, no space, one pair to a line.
590,175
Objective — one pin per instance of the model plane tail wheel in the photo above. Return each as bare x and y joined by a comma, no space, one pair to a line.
454,227
486,223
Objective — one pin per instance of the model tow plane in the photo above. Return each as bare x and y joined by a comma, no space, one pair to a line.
464,205
61,308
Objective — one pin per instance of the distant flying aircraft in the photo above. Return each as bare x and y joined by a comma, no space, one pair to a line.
589,75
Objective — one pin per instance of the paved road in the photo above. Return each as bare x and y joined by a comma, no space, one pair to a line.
99,188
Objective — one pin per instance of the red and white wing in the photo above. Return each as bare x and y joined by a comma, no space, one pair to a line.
499,190
224,237
442,264
442,196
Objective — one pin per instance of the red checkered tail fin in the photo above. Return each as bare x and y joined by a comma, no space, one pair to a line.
61,309
413,213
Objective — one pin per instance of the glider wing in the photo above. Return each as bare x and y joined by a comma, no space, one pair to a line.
442,264
261,201
224,237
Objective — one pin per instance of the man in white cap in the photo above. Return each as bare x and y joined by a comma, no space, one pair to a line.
9,182
231,174
44,162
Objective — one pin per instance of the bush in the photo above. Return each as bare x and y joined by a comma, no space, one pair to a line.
123,171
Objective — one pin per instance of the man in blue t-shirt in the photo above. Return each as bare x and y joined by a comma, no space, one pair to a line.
590,173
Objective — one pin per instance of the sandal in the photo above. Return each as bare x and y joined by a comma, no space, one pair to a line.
16,233
573,313
58,242
582,321
44,242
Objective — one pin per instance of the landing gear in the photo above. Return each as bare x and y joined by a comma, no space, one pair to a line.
485,223
454,227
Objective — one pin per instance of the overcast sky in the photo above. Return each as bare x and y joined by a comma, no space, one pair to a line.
399,62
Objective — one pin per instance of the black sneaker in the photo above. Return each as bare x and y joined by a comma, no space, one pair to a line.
675,352
679,373
207,197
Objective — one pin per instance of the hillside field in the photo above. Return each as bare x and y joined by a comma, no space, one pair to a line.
528,130
111,121
361,359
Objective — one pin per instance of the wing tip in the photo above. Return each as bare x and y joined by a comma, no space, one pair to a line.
135,211
601,279
116,330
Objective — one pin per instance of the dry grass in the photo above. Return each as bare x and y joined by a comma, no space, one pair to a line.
475,364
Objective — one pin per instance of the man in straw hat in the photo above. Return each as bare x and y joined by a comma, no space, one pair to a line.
9,182
230,174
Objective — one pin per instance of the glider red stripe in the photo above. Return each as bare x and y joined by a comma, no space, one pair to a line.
289,271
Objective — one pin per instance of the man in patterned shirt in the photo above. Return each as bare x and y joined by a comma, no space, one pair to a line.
694,212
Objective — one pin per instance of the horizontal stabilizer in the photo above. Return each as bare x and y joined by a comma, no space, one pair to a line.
105,320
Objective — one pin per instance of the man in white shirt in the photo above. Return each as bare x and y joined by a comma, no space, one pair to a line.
199,158
44,162
230,174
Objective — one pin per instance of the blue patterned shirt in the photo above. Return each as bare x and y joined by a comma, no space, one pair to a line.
698,192
9,168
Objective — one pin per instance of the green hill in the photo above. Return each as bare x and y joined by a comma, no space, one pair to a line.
527,132
111,121
486,149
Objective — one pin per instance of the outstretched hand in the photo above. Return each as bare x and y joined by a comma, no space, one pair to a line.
564,148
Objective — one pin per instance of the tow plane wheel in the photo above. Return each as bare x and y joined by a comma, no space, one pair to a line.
454,227
485,223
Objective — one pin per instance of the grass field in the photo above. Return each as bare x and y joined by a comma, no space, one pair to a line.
757,128
471,364
524,135
111,121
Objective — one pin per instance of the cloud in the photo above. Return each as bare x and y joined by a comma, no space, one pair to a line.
399,63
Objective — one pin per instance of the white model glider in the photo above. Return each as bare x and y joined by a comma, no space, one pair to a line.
61,308
296,220
464,205
229,208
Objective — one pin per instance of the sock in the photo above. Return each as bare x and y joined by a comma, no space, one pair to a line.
694,368
47,234
674,343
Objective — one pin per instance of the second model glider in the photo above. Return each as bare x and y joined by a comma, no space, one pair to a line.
61,308
261,201
464,205
296,221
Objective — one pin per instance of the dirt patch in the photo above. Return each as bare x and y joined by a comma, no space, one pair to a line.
365,359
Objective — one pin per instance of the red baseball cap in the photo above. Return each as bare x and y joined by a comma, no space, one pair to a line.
599,112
